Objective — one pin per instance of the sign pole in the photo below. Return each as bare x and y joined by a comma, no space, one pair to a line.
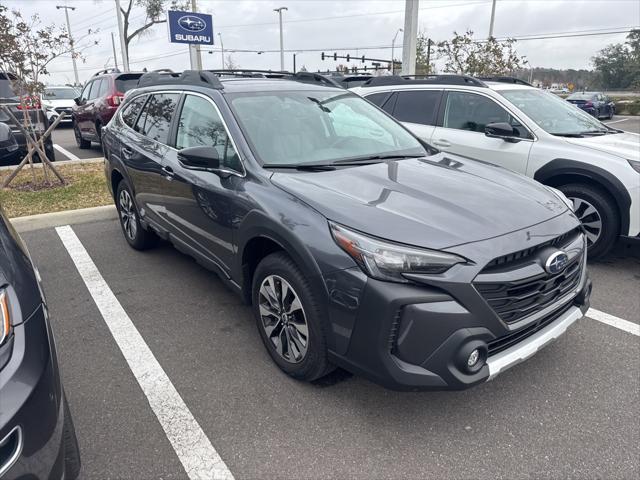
123,45
194,50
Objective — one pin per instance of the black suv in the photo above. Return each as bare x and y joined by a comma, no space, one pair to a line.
356,244
13,144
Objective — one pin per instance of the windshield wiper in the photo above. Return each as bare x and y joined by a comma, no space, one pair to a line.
570,135
594,132
318,167
372,159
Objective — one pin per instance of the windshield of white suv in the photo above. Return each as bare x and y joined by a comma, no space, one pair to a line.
297,128
554,115
60,93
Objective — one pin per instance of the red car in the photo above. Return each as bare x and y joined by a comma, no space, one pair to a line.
97,103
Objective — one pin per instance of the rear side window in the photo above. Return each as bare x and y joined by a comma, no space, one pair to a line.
155,120
127,82
378,99
132,109
417,106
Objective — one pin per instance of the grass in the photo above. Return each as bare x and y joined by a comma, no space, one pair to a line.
86,187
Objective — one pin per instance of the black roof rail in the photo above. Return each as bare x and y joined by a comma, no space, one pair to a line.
107,70
426,80
189,77
505,79
312,77
249,73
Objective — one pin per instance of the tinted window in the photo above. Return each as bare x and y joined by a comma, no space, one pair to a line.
468,111
378,98
200,125
95,89
131,110
127,82
85,92
155,120
104,88
417,106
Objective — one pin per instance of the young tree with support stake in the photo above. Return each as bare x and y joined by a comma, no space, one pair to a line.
26,49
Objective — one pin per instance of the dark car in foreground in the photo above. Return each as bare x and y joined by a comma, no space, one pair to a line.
13,144
37,437
356,244
98,101
594,103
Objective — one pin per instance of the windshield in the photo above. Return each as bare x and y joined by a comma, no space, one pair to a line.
59,94
552,114
312,127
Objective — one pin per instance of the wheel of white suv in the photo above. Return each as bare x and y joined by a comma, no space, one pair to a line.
598,214
289,318
134,232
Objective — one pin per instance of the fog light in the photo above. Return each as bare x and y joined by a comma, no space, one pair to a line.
473,358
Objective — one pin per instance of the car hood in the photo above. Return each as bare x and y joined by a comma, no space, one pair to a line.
625,145
434,202
58,103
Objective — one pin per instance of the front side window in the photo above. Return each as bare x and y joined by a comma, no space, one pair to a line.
132,109
378,99
95,89
468,111
304,127
417,106
155,120
201,125
551,113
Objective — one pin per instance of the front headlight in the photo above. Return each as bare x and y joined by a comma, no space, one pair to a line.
562,197
5,321
389,261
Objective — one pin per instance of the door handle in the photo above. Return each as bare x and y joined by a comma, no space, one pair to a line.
168,172
442,143
127,151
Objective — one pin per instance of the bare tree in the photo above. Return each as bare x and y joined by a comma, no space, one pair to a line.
153,15
230,63
27,47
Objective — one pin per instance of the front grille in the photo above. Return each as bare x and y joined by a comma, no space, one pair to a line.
502,343
62,109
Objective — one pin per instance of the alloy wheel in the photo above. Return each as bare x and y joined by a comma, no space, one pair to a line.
128,215
589,217
283,318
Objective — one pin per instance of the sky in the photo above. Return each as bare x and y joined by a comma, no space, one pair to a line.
346,26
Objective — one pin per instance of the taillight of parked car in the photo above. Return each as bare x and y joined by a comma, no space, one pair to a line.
29,103
115,100
588,104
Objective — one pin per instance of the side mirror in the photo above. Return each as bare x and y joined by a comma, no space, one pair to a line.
501,130
77,100
199,158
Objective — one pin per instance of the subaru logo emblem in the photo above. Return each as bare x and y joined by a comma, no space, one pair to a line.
191,23
556,262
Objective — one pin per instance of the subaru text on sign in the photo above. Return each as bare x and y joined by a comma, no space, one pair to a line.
190,27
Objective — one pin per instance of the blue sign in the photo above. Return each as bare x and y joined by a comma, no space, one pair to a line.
192,28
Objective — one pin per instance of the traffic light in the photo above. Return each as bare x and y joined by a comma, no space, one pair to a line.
348,57
362,58
335,56
322,55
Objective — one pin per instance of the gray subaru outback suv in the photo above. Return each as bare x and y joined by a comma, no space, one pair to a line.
356,244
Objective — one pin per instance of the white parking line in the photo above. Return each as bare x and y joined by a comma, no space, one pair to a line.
620,323
616,121
198,457
65,152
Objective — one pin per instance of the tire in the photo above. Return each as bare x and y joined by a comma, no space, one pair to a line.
72,462
135,234
81,142
591,203
312,363
99,132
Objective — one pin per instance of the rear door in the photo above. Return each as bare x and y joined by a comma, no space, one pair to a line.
143,149
199,204
462,119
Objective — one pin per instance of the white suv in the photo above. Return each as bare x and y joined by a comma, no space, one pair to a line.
508,122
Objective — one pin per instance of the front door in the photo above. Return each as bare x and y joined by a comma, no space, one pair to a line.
199,204
461,127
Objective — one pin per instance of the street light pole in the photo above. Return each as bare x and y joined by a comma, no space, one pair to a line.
393,46
279,10
113,45
73,53
221,48
410,39
493,17
123,42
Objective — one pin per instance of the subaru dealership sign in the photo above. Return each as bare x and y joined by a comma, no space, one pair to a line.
188,27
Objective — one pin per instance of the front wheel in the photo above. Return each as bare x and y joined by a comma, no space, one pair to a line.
289,318
598,214
81,142
134,232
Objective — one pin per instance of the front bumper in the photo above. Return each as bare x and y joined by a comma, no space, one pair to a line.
419,336
32,413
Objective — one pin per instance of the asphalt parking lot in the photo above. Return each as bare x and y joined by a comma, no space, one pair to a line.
68,150
571,411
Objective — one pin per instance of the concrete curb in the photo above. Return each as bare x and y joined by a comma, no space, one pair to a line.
56,163
67,217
